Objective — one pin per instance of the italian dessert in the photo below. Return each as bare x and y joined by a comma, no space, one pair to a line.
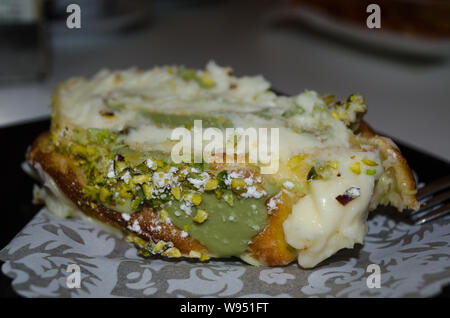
112,157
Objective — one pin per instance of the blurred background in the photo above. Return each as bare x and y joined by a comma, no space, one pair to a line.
402,68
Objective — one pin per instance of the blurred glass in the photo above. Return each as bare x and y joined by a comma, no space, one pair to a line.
23,40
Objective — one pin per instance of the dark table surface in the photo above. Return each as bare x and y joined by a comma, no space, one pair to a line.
16,188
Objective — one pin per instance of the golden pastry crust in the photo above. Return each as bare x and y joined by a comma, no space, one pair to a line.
393,161
270,247
70,179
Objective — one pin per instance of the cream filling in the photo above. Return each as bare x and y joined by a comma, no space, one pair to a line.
319,225
58,204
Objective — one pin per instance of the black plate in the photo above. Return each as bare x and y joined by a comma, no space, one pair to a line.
16,186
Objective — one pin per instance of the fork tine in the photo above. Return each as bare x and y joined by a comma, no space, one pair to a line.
431,215
433,187
435,200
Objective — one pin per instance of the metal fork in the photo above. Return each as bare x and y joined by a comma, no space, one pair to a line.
435,198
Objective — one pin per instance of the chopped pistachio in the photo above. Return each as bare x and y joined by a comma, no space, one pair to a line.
147,191
119,166
238,185
369,162
132,238
211,184
99,136
104,194
187,74
186,227
195,198
312,174
222,176
163,215
151,164
334,164
77,149
201,216
158,247
160,163
295,161
207,81
335,115
136,203
176,191
91,191
123,192
194,254
172,252
355,167
204,257
139,179
371,172
144,252
228,197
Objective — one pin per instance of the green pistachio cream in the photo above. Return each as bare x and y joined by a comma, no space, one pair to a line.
222,209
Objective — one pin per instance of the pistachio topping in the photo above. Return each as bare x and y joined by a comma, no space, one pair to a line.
369,162
172,252
127,180
201,216
355,167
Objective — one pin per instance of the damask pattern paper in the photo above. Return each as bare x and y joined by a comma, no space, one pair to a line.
414,262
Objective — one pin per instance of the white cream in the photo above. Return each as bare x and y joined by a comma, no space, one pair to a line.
57,203
319,225
82,101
